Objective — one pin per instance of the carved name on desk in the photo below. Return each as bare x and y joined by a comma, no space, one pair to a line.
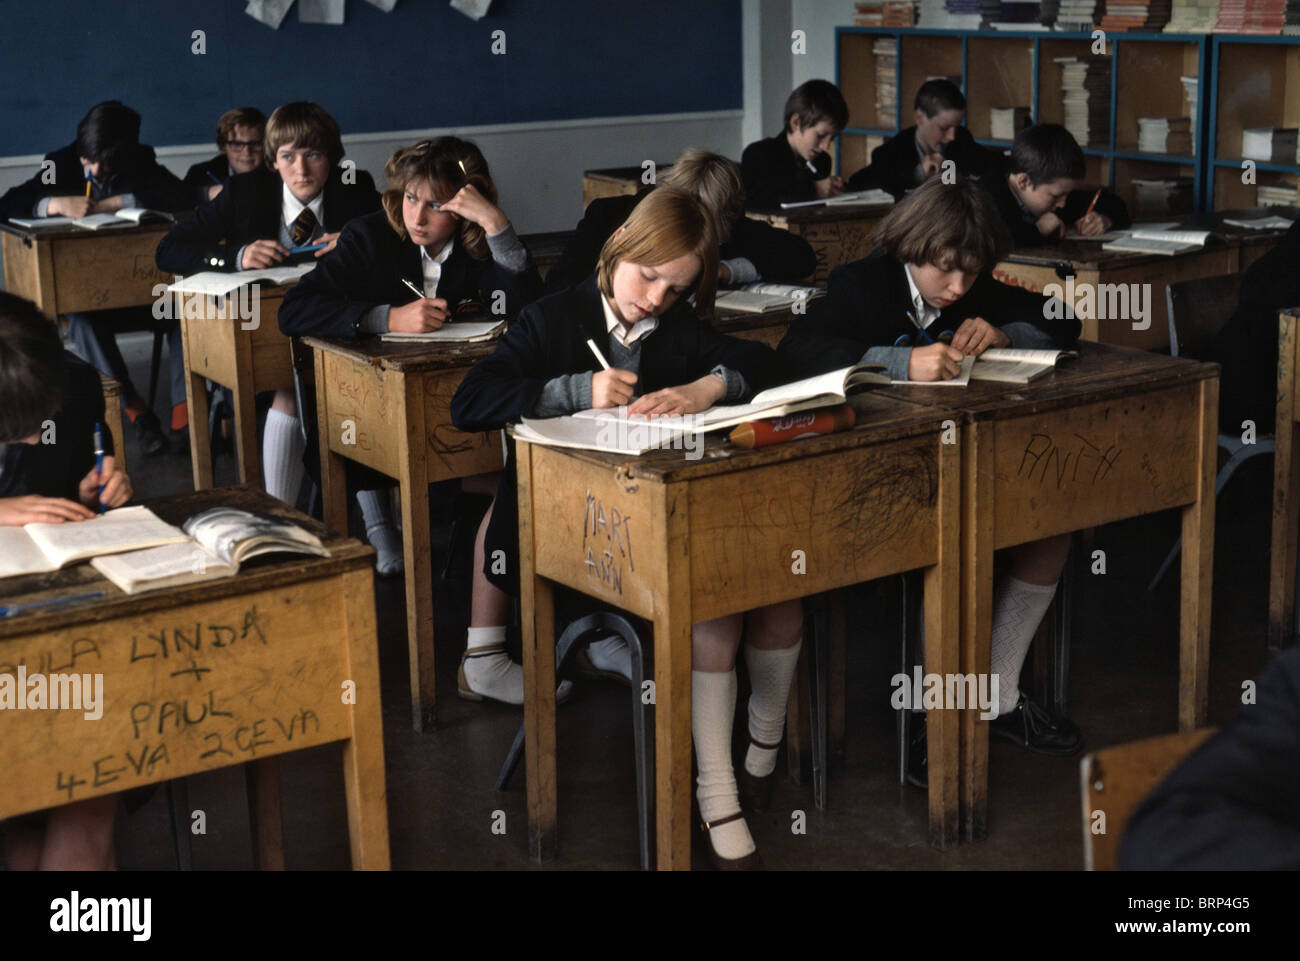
1073,459
606,542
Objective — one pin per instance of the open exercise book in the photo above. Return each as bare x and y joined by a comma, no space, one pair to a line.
1158,239
452,332
614,430
765,297
850,199
218,542
216,283
121,218
1003,365
36,548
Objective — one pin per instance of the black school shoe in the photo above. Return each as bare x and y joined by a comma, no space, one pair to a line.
149,433
1033,728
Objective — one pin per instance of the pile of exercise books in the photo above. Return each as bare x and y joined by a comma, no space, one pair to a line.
1014,15
1251,16
1269,144
1085,93
1190,87
1167,135
1280,194
1193,16
868,15
1079,15
1155,198
1139,15
1006,122
885,51
948,14
899,13
1291,27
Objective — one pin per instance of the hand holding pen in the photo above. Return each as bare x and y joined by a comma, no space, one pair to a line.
420,315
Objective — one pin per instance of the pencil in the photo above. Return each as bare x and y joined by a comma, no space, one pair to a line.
1094,202
599,356
418,292
87,186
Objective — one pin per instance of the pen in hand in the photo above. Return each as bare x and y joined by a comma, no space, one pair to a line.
99,462
599,356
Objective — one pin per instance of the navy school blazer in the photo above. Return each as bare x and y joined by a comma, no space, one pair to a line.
154,186
366,269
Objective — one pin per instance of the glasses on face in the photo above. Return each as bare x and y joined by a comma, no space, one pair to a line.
245,146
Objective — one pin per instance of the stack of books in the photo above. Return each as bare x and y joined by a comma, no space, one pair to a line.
1193,16
1251,16
1139,15
899,13
1167,135
1085,93
1155,198
1017,15
1006,122
1291,22
1079,15
886,54
1048,11
1190,86
931,15
962,14
1269,144
868,15
1280,194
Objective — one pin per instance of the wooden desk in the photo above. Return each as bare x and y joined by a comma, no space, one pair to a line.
1286,485
388,406
204,676
1114,434
766,328
245,355
547,248
838,234
677,541
63,271
615,181
1251,244
113,417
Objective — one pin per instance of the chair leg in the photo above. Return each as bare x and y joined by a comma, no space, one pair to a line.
178,803
155,364
817,690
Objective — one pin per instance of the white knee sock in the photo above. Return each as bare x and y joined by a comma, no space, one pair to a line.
713,706
1018,608
282,447
381,532
493,674
770,673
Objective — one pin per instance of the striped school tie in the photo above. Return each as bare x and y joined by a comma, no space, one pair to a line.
303,226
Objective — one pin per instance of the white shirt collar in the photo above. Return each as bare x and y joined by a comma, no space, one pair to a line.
291,206
922,313
441,258
620,332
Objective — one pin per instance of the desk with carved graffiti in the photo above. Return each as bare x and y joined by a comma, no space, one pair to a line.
676,541
838,233
1113,434
388,406
68,270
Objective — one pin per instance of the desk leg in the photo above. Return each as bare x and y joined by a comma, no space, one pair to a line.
263,786
976,622
537,602
673,693
363,753
943,655
196,397
414,483
1198,572
1286,487
838,655
246,450
333,474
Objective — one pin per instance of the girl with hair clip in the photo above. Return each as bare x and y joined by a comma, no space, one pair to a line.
440,231
665,360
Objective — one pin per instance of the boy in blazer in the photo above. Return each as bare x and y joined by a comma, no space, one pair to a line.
751,249
240,135
794,165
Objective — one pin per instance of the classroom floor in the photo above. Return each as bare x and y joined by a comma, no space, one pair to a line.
1123,686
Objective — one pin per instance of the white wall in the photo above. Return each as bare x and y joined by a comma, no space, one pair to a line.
818,19
537,166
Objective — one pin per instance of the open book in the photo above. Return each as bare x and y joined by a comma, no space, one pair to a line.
215,283
1261,223
1009,365
36,548
961,380
765,297
452,332
220,540
36,223
613,429
1155,241
123,218
851,198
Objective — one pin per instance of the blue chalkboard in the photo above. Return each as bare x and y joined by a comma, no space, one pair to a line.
423,65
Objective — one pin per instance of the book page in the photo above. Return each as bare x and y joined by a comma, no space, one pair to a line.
224,531
450,332
98,221
217,284
1258,223
123,529
832,383
131,568
20,555
1018,355
1140,245
1197,237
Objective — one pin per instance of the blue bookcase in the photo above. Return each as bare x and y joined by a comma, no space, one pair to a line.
1014,68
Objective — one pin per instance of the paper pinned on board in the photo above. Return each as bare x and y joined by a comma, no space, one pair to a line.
269,12
474,9
384,5
320,11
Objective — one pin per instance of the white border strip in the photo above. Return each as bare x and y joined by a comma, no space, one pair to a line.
407,136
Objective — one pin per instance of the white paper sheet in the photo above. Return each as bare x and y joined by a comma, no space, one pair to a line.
320,11
269,12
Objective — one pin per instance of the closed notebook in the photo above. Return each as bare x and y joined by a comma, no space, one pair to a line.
123,218
36,548
454,332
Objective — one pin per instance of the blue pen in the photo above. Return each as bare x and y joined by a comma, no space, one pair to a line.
213,178
99,461
307,248
15,609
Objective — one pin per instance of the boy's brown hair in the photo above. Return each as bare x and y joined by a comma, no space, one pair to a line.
239,117
953,226
31,369
815,101
714,181
303,124
447,164
664,226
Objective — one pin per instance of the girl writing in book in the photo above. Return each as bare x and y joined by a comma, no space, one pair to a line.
440,247
921,303
663,360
